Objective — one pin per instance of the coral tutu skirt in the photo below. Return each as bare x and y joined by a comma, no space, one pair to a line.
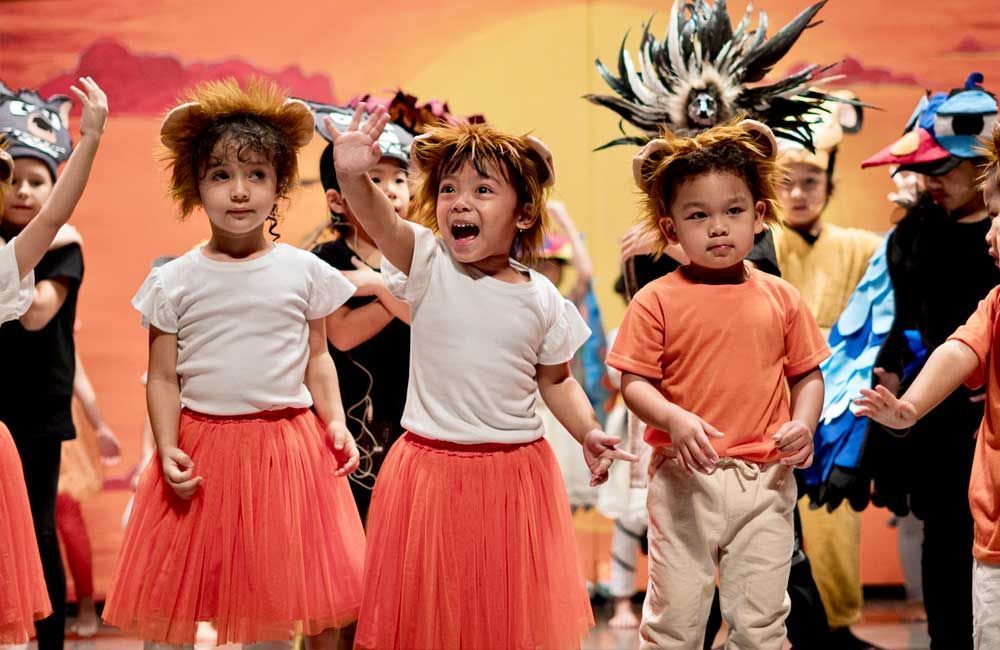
471,546
23,597
271,542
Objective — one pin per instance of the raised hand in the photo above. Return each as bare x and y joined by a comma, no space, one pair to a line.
95,107
794,441
178,470
348,457
689,436
885,408
356,149
599,451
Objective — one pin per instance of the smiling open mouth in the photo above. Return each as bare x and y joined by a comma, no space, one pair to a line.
464,231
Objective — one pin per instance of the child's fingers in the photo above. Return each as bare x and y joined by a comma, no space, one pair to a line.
621,454
187,489
702,462
705,447
331,128
794,459
79,95
356,118
712,431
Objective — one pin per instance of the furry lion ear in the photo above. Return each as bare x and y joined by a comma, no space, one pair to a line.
649,156
300,121
763,136
417,149
541,150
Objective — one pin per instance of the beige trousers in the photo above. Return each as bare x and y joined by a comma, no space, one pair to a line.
737,521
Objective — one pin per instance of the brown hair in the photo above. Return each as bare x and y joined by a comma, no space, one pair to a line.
524,161
259,119
990,148
742,147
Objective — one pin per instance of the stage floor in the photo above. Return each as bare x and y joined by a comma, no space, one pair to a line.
884,625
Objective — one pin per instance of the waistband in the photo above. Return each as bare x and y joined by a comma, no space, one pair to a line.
455,447
266,416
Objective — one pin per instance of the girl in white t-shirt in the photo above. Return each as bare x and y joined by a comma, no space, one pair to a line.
470,539
247,521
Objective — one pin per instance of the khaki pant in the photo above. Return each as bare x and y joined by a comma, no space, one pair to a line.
985,605
738,520
833,543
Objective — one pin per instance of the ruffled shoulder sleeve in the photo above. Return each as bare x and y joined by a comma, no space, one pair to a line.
153,303
568,330
16,293
411,287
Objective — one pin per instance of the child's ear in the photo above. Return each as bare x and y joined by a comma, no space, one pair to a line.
335,201
759,211
666,225
525,219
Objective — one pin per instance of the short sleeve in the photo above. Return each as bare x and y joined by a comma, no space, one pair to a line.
16,293
805,347
566,335
152,302
65,262
640,343
328,289
977,333
411,288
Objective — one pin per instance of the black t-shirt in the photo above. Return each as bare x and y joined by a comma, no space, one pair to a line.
378,368
36,386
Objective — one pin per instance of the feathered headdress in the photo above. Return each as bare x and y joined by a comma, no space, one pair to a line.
417,118
698,76
213,101
827,128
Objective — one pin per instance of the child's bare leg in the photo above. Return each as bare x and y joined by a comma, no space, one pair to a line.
86,624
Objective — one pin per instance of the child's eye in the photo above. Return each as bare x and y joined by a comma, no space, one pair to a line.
258,174
482,189
697,215
220,176
736,210
446,189
36,183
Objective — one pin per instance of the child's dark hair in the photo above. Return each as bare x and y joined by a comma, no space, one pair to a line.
327,171
743,148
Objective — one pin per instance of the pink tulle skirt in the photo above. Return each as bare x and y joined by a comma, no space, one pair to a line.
471,546
23,597
271,542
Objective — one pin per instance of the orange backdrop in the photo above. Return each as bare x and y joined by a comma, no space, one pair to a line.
522,63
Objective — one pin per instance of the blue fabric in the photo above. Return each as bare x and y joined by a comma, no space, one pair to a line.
855,341
588,364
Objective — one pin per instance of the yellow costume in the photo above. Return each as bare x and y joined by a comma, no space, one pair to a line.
826,274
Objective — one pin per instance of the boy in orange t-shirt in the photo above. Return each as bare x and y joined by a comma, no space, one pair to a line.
722,362
970,355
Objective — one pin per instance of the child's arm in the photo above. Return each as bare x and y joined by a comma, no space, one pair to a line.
581,261
794,439
945,370
567,401
348,328
163,400
321,380
689,434
34,240
372,283
48,300
355,152
107,443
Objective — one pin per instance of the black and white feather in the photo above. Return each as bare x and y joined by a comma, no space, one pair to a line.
700,75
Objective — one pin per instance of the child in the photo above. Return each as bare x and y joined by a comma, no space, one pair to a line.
247,520
369,337
471,543
34,399
721,362
969,356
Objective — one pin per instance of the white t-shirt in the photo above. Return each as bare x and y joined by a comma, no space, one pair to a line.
474,345
16,294
242,330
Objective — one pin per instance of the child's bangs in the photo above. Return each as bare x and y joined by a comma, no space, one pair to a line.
244,140
485,159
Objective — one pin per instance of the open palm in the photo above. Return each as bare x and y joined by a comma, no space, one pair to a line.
356,149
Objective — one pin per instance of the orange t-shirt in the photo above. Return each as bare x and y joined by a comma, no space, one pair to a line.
981,333
722,352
